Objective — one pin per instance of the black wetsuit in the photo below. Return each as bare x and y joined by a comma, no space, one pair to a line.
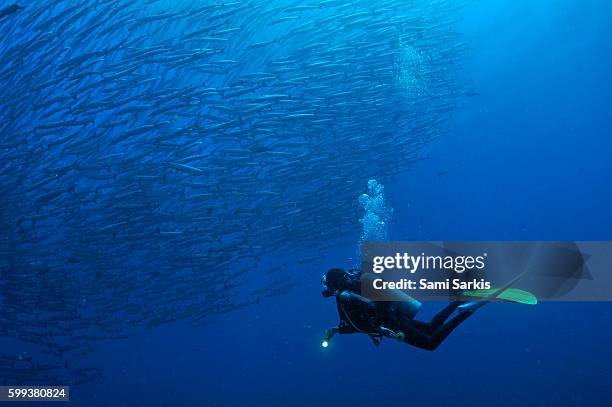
360,315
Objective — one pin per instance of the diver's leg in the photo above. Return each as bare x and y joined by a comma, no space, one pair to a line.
428,327
443,315
440,334
430,335
425,327
421,335
416,333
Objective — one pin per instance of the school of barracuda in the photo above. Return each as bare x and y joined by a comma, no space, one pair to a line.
153,153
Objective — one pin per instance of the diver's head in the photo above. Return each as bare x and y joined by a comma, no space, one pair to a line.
337,280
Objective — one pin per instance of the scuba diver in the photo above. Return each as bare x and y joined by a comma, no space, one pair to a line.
392,319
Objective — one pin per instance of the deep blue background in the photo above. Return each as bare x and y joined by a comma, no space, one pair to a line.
528,158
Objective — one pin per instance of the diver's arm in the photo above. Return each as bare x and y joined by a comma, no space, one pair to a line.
345,328
342,328
330,333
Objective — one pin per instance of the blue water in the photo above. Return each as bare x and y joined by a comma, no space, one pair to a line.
527,158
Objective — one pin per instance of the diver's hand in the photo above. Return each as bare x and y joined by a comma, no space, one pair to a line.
328,335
